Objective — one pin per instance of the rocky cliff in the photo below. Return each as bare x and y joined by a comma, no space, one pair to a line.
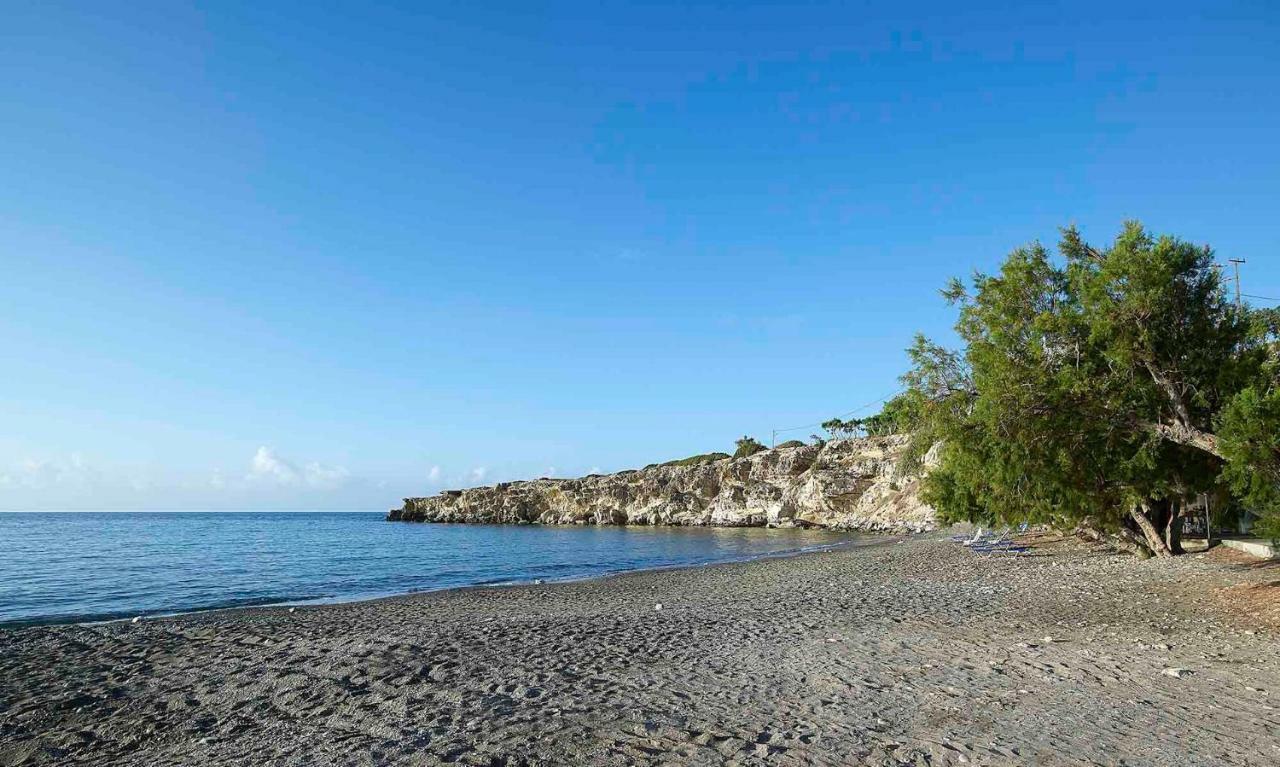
851,484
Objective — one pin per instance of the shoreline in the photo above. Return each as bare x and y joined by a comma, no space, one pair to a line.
852,538
884,654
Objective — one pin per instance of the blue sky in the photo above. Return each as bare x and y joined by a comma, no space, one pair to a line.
324,255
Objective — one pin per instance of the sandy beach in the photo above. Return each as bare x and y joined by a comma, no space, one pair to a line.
908,652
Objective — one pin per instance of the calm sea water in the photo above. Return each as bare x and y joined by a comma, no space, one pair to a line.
68,567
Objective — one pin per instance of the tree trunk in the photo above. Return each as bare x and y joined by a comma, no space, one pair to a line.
1150,534
1173,528
1123,539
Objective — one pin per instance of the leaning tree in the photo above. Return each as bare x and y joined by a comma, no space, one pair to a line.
1101,389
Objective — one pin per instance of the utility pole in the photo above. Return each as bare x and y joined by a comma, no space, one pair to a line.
1235,262
1208,523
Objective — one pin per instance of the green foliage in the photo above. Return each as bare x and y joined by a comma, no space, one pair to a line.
747,446
839,429
1250,440
1249,427
792,443
696,460
900,415
1089,385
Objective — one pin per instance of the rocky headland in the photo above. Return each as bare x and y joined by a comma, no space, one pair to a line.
848,484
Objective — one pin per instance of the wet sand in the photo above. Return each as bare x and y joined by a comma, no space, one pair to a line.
916,652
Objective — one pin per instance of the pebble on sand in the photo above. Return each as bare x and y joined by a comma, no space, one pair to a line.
1177,673
136,619
658,606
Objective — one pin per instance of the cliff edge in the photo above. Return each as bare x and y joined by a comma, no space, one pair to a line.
848,484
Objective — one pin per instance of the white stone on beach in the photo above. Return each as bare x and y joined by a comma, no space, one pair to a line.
136,619
658,606
1177,673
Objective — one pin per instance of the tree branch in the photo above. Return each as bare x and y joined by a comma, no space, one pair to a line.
1189,436
1171,391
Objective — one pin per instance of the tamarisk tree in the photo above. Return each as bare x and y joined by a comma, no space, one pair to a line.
900,414
1101,389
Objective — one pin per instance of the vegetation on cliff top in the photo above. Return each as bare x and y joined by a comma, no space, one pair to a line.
900,414
747,446
1105,389
694,460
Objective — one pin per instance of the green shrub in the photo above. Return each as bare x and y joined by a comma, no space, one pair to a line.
696,460
747,446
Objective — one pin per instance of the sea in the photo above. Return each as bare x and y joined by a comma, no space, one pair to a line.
73,567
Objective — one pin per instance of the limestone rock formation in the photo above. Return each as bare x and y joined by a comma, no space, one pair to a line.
850,484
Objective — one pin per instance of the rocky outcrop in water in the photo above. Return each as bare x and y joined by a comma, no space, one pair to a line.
851,484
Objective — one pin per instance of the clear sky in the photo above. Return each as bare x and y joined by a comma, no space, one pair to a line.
325,255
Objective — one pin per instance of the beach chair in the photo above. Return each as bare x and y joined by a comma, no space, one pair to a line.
978,538
996,539
1003,550
1001,545
990,542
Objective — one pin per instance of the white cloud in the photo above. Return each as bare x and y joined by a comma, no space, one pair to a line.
263,479
42,474
267,465
433,476
478,473
324,477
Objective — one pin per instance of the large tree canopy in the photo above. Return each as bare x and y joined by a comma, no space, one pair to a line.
1101,388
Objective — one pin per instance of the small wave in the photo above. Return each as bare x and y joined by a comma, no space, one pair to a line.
166,612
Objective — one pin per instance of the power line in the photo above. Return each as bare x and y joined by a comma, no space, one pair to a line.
859,409
1264,298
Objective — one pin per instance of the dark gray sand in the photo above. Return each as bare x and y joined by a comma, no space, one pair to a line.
916,652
